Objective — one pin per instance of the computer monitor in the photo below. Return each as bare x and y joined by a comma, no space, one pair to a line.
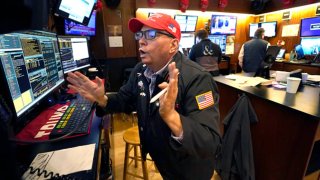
310,45
223,24
221,40
310,27
281,54
30,69
187,23
72,28
270,28
75,10
264,69
186,42
74,52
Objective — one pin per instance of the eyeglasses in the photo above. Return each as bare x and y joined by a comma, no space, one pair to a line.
149,34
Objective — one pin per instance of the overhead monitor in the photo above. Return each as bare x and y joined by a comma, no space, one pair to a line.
73,28
187,23
75,10
270,28
221,40
310,45
310,27
223,24
30,69
74,52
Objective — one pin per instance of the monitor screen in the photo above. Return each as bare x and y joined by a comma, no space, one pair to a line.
30,67
310,45
221,40
270,28
74,52
186,42
310,27
187,23
72,28
252,29
75,10
223,24
281,53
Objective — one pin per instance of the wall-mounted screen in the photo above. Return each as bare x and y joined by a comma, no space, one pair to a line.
74,52
310,27
223,24
187,23
72,28
75,10
310,45
30,68
221,40
269,27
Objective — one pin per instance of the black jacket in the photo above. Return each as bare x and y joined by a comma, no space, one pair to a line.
236,160
194,158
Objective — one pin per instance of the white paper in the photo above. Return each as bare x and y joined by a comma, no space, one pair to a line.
290,30
65,161
115,41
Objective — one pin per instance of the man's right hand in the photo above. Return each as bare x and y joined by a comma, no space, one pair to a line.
92,91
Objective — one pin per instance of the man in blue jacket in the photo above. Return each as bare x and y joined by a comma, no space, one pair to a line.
180,130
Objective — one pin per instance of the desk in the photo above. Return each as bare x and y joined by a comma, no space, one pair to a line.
288,66
284,137
26,153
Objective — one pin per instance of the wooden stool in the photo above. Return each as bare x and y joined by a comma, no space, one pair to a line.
131,137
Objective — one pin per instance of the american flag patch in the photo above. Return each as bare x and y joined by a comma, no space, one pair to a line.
205,100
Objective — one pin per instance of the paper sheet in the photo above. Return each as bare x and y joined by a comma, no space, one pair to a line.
65,161
247,81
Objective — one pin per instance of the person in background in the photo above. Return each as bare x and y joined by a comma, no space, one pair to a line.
206,53
180,130
252,53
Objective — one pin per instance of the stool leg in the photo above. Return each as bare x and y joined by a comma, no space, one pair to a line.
126,160
144,168
135,150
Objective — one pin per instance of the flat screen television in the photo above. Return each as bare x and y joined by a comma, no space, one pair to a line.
310,45
187,23
74,52
310,27
186,42
76,10
221,40
269,27
223,24
30,69
73,28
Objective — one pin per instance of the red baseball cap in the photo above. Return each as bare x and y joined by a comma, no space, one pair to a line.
157,21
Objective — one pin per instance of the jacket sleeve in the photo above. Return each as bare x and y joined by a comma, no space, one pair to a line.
124,100
200,127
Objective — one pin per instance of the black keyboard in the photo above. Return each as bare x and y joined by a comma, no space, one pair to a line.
77,116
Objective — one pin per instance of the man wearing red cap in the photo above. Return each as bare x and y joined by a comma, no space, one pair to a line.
180,130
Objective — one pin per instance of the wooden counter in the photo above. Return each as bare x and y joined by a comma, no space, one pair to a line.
283,138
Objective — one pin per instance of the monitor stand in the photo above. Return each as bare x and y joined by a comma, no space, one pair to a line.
263,72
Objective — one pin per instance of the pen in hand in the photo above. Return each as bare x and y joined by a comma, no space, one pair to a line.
156,97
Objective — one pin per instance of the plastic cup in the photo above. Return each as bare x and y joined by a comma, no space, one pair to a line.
292,84
304,77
